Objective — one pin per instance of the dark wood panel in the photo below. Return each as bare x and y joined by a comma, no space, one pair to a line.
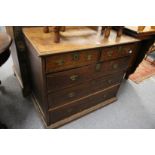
114,52
69,78
133,56
141,50
110,67
20,59
76,107
71,60
71,94
37,78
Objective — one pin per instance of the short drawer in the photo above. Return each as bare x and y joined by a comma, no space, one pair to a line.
80,105
109,67
68,95
115,52
60,80
71,60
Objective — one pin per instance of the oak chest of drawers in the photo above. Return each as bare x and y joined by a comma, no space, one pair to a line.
70,80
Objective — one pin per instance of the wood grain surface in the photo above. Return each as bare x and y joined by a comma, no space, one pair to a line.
72,40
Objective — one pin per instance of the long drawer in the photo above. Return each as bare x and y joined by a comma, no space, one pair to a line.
61,62
80,105
76,76
68,95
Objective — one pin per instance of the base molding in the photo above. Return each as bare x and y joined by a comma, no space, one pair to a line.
73,117
39,109
82,113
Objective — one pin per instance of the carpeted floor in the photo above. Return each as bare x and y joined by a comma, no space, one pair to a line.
145,70
135,107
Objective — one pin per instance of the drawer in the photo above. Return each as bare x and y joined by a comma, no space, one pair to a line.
68,95
80,105
56,81
60,80
71,60
109,67
115,52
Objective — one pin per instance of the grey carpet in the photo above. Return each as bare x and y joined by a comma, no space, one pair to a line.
135,107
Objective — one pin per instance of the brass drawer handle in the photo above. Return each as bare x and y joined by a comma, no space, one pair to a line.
98,67
89,57
74,77
76,56
115,66
60,62
72,94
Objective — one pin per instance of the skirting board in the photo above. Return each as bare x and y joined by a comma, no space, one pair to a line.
73,117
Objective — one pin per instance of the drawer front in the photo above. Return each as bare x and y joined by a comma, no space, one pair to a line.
111,53
68,78
68,95
78,106
57,81
109,67
71,60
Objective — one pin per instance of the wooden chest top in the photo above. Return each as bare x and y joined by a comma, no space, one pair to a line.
71,40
